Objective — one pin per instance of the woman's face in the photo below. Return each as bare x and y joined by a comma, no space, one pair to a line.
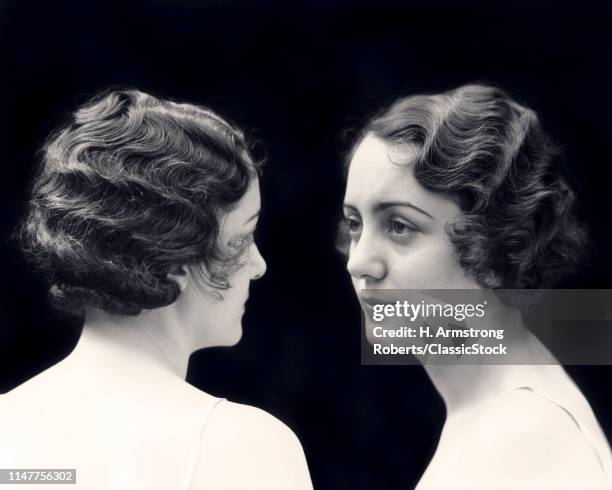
396,226
219,322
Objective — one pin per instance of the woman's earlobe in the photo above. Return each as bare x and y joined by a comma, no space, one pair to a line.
180,275
491,280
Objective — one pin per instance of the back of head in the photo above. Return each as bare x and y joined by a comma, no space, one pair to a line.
132,187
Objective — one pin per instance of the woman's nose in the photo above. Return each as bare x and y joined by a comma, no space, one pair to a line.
259,264
366,260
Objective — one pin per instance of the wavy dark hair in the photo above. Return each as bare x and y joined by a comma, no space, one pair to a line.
132,187
491,155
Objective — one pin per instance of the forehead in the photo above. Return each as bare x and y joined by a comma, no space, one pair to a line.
380,172
249,204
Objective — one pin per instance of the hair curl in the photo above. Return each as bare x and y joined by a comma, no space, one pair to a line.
132,187
491,155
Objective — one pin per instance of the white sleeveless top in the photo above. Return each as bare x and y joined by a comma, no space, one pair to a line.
561,391
552,383
140,432
549,382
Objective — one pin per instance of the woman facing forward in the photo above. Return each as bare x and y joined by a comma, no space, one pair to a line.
142,217
460,191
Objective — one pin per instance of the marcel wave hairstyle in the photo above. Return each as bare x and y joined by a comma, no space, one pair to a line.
491,155
131,188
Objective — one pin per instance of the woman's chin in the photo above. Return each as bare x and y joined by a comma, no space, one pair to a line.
234,334
235,340
229,336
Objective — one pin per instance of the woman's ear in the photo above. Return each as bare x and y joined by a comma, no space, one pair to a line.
491,280
180,275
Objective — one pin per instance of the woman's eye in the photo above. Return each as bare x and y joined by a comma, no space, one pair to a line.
241,244
249,240
354,225
400,228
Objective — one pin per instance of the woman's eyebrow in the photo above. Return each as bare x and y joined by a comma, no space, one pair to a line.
349,206
381,206
252,217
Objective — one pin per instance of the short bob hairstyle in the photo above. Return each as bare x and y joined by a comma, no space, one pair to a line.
490,154
132,187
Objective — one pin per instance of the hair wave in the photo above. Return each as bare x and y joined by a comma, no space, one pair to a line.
490,154
131,188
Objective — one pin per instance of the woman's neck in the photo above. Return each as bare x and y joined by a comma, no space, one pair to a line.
463,386
153,338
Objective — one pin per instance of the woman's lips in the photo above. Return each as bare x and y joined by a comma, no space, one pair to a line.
372,300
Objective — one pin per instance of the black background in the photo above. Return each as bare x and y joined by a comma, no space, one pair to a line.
297,77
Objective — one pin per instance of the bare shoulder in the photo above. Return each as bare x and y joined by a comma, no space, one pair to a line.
248,424
245,447
526,441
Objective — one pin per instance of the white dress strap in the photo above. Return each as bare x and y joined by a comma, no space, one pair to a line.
196,449
591,432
